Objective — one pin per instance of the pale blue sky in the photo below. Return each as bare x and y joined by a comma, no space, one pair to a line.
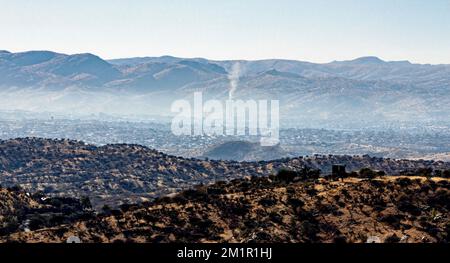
318,31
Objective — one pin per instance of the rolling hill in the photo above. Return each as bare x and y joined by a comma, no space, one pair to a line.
123,173
261,210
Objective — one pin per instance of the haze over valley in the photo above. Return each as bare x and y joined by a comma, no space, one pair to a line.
393,109
363,91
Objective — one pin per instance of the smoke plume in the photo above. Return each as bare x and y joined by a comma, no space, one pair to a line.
233,76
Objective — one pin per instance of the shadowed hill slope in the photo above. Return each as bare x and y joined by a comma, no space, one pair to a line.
114,174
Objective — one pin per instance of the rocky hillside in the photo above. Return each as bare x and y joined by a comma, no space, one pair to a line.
23,212
115,174
288,207
12,205
367,89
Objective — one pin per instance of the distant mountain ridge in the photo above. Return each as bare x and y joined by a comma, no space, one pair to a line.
44,65
364,88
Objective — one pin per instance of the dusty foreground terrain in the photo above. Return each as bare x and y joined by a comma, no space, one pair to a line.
278,208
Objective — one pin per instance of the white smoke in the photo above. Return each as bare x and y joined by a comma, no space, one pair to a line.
233,76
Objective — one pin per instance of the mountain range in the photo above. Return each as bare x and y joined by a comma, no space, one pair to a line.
364,88
50,69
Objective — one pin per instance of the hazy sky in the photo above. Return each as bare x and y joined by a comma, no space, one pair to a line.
319,30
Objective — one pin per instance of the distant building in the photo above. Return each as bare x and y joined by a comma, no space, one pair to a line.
338,171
